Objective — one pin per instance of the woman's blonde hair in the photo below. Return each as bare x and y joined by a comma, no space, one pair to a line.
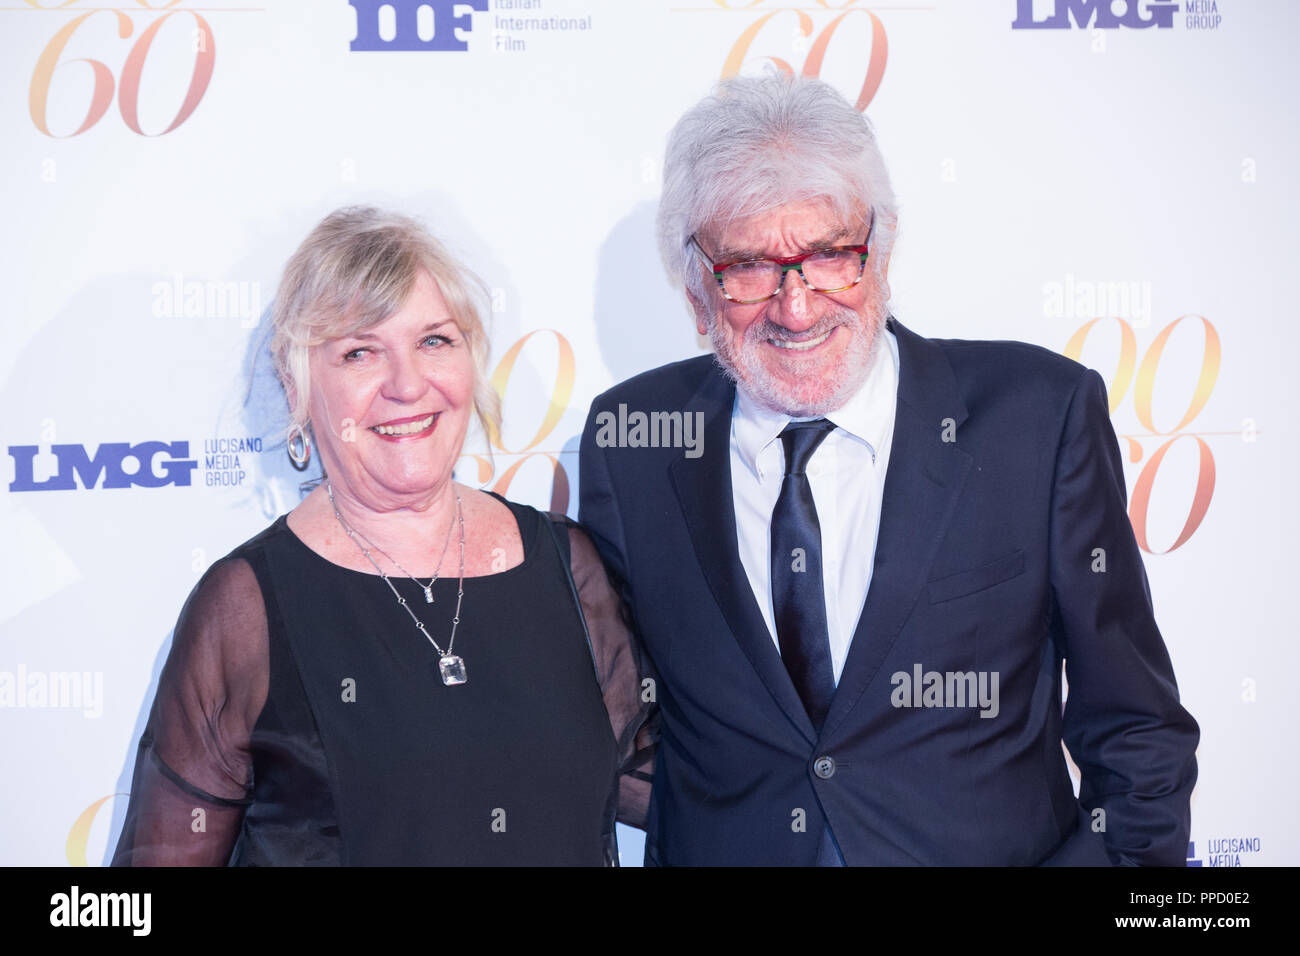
353,271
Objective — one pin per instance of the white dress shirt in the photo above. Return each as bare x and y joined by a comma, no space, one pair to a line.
847,477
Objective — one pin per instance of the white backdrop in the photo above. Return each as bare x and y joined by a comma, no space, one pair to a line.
1048,177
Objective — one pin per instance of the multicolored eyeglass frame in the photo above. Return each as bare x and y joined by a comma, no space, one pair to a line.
786,264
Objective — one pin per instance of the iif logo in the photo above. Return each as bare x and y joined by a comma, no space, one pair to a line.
109,461
414,24
1060,13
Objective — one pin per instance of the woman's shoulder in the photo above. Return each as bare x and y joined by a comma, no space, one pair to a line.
236,575
557,519
221,638
273,533
564,527
272,536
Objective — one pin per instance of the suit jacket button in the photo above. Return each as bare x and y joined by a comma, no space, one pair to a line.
824,767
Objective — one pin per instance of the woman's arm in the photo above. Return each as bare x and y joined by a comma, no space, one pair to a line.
627,678
193,770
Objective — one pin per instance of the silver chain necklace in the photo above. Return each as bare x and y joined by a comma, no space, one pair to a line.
427,588
450,666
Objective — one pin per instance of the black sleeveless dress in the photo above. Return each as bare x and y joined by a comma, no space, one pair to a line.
302,719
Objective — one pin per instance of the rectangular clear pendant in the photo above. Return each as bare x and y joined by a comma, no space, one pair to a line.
452,669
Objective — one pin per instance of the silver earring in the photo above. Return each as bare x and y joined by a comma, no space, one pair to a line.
302,456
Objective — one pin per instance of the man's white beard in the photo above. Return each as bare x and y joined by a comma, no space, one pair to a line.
748,373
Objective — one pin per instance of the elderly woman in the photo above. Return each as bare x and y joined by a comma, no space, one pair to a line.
402,670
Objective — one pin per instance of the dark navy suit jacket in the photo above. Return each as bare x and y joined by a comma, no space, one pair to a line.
985,562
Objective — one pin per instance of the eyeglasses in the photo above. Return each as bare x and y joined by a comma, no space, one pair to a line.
748,281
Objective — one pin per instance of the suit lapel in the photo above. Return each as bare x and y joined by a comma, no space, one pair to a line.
703,488
925,478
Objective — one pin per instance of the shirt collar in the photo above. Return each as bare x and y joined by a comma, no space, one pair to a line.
867,417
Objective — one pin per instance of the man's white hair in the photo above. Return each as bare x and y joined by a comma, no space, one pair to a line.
758,143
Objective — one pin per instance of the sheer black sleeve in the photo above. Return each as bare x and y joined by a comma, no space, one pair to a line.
193,769
627,679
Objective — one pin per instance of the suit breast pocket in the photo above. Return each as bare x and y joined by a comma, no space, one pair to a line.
977,579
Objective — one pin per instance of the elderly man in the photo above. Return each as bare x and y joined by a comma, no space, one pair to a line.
859,589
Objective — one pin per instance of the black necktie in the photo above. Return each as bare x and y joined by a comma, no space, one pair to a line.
798,600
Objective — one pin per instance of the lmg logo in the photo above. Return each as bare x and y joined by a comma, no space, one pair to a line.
108,461
1135,13
449,25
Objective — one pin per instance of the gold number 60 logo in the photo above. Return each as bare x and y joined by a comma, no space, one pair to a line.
812,64
561,392
1142,397
129,90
